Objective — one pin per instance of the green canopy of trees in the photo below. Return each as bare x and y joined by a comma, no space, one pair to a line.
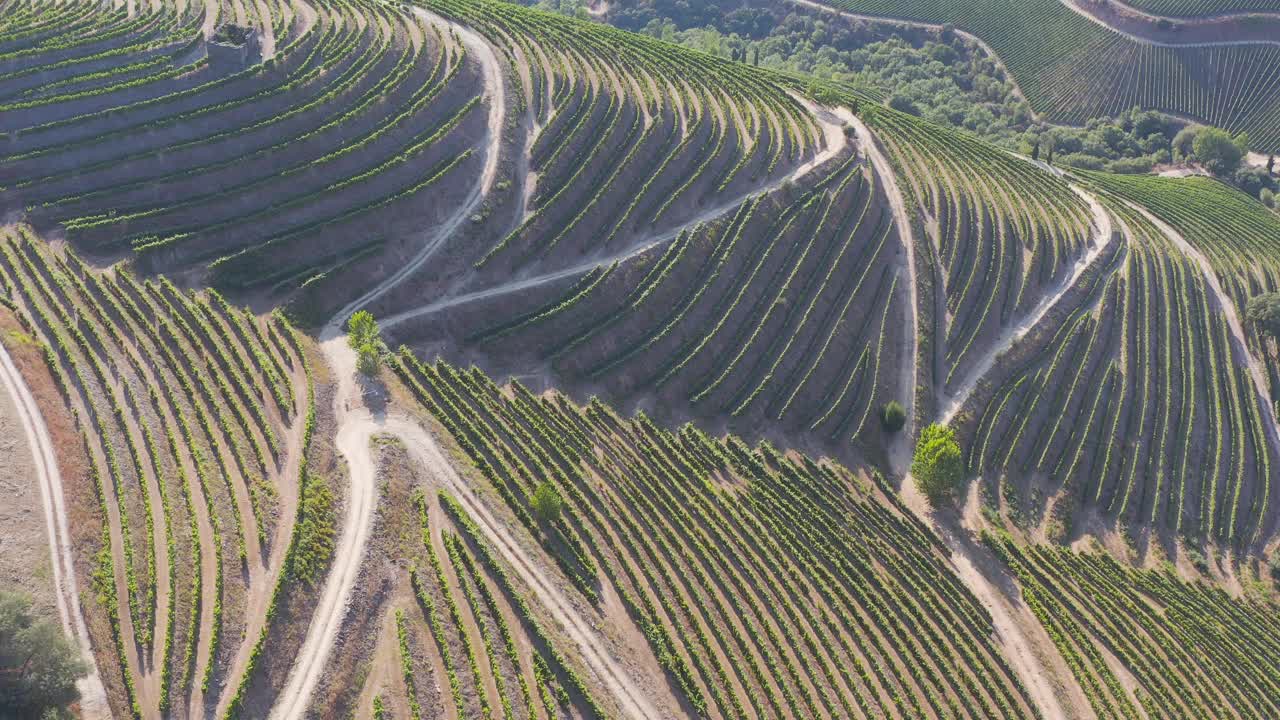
938,464
1218,150
38,666
1264,310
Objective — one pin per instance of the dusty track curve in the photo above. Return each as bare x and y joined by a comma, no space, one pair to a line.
902,447
1017,643
433,239
93,696
836,142
356,423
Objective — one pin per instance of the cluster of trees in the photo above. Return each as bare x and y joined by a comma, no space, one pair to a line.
1264,310
1223,154
1133,142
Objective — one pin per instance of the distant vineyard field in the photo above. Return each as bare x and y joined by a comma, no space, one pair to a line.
1192,8
1072,69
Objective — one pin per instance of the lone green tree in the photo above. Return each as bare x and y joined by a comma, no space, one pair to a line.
38,666
547,503
365,337
938,464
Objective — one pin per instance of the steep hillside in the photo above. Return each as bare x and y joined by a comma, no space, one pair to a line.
1191,8
1235,237
765,583
1148,639
1140,401
706,311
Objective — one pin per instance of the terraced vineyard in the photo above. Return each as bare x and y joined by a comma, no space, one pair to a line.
1071,69
464,626
617,144
278,176
780,279
1183,649
766,583
709,129
1148,357
775,280
191,413
1238,237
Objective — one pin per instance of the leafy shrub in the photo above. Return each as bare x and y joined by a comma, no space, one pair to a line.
365,337
1219,151
902,103
1264,309
893,416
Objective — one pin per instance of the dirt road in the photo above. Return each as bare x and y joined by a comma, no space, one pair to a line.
93,696
355,426
423,448
835,143
901,452
356,423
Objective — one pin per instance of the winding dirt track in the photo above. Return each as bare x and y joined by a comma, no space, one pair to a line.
1106,235
1017,638
901,451
356,423
93,696
835,143
493,90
